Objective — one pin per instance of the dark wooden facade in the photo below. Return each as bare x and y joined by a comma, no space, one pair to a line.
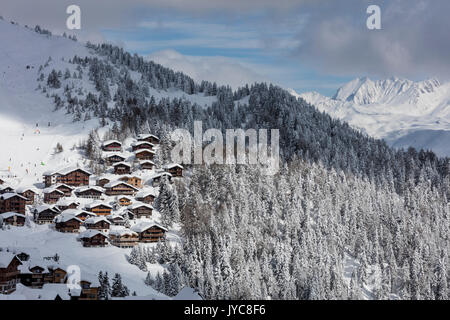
9,274
142,145
17,220
112,146
120,189
53,196
74,178
12,202
30,195
99,240
152,234
145,154
141,211
70,226
89,193
45,216
122,168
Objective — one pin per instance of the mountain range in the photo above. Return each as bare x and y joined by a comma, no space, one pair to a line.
403,112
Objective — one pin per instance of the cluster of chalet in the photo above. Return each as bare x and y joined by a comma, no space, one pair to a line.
66,189
27,267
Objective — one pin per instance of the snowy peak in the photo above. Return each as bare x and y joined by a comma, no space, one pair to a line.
364,91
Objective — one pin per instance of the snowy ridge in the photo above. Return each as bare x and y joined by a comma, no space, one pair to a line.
403,112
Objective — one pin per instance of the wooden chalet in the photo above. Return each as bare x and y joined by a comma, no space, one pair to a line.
102,181
9,272
12,202
124,201
6,189
99,208
112,145
52,195
74,177
116,220
45,214
120,188
140,210
88,292
67,223
33,275
156,179
147,165
67,190
149,232
149,138
144,154
128,214
174,169
13,219
146,197
123,238
29,193
114,158
56,275
122,168
97,223
89,192
142,145
132,180
93,238
66,203
80,214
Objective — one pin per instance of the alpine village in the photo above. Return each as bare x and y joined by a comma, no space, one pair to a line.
113,209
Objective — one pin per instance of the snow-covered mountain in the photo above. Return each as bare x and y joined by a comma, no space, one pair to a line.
403,112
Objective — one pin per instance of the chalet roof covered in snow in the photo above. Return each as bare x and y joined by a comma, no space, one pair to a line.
158,175
144,150
122,232
44,207
116,183
5,186
122,163
7,215
25,189
95,220
5,259
116,154
139,204
66,217
87,188
146,162
52,189
67,202
146,136
142,226
10,195
63,185
66,171
173,165
77,212
97,204
108,142
90,234
139,143
146,193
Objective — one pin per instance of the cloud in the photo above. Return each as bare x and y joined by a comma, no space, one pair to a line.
413,41
222,70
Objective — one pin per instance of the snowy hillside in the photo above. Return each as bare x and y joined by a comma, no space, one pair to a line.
403,112
29,127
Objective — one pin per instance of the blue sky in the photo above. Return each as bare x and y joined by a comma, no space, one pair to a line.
301,44
265,52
